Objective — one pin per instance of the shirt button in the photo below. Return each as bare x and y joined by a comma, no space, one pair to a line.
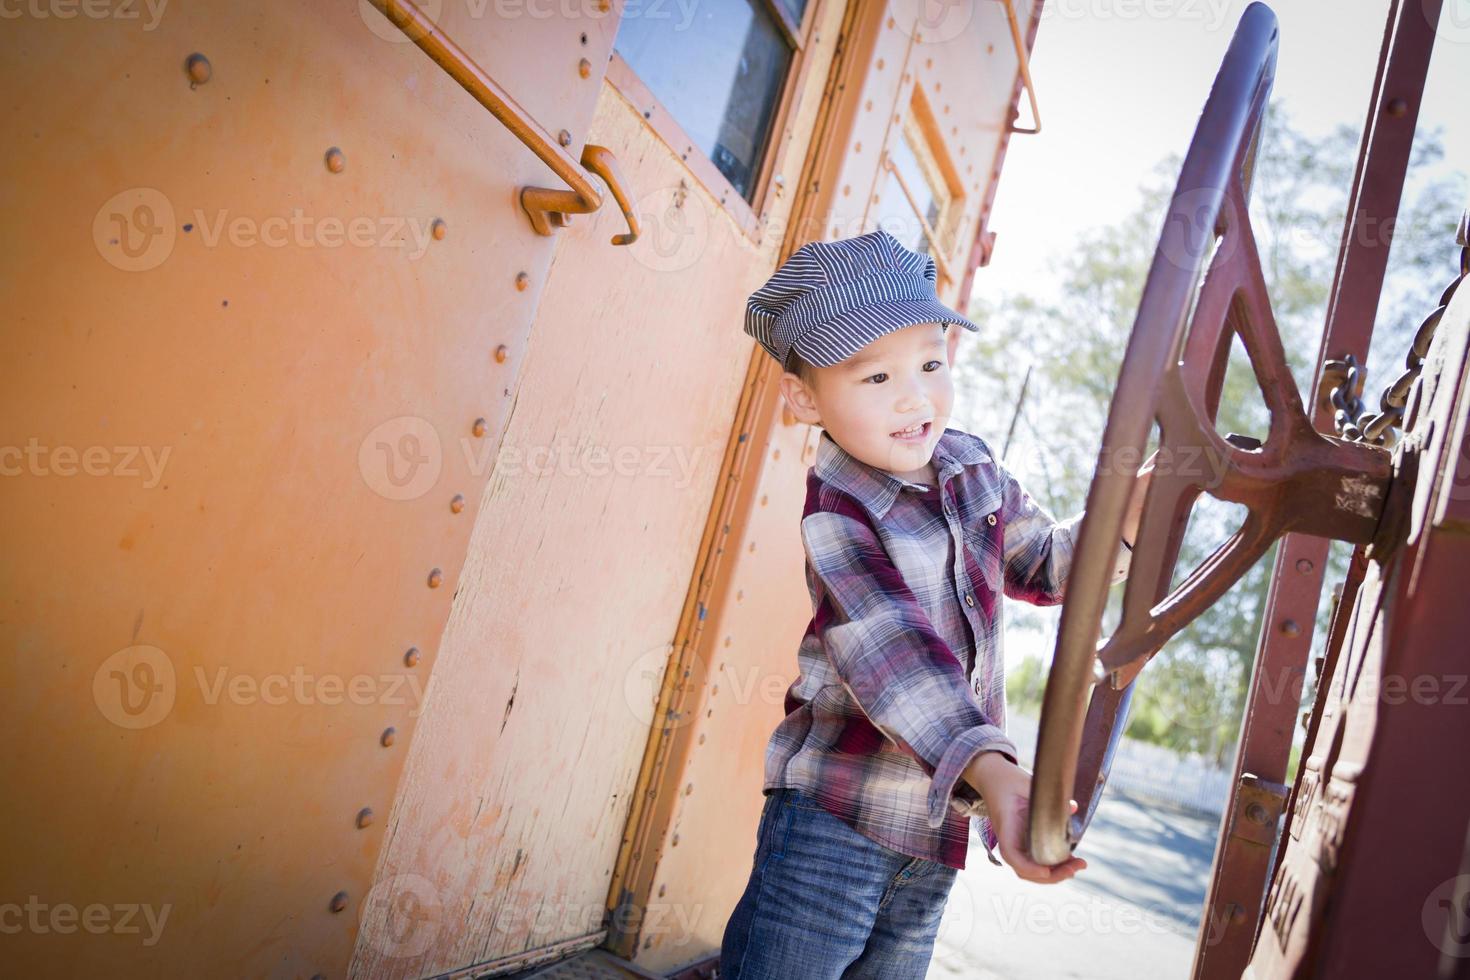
990,519
969,599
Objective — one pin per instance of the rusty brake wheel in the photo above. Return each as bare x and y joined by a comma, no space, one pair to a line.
1296,480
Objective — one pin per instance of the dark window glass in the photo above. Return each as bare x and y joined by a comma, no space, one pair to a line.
795,8
718,71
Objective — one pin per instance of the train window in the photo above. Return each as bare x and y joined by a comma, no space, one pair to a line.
795,8
719,73
920,194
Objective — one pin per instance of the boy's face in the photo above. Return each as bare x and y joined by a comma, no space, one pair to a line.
900,380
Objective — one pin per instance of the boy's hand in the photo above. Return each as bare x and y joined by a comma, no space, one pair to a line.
1006,788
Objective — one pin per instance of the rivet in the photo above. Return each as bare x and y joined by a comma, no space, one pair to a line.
564,138
501,353
584,68
411,657
1257,813
1304,565
1289,627
438,229
389,734
522,281
339,902
198,68
436,578
456,504
478,428
1397,107
336,162
364,817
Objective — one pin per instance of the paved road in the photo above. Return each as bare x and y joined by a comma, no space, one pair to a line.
1133,913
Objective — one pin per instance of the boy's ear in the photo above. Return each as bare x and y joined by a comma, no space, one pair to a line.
798,395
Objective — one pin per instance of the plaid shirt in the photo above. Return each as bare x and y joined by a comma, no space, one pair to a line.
902,676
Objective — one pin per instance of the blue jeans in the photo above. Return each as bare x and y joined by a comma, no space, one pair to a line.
824,902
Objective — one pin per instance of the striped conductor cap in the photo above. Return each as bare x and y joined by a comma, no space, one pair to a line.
831,299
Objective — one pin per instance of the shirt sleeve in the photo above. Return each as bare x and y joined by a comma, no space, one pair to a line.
1038,547
893,662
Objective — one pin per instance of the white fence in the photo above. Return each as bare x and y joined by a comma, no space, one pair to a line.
1146,771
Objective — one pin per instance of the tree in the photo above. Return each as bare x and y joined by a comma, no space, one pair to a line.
1191,697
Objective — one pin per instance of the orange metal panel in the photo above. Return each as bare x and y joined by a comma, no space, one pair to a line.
244,381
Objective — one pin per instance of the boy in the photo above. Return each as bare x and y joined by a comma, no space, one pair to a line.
894,730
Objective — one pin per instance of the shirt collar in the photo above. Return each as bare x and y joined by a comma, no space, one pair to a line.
877,489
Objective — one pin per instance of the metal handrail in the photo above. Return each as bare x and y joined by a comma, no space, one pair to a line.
547,208
1024,62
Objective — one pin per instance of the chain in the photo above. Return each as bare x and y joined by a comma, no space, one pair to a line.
1350,417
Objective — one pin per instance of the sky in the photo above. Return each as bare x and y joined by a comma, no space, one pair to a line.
1120,89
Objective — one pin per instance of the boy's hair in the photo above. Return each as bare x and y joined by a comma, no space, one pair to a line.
799,366
803,369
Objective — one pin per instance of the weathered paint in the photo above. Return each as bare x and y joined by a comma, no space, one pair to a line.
261,354
1356,892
